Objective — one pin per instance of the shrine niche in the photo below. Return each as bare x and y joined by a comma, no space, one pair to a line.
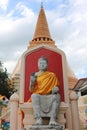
55,65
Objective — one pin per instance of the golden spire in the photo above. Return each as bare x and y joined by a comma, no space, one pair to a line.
42,29
42,34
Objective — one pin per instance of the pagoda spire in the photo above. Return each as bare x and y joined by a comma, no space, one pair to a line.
42,29
42,34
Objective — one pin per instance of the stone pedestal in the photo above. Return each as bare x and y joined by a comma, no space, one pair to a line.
46,127
29,116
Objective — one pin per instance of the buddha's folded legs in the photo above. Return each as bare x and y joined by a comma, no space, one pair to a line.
53,99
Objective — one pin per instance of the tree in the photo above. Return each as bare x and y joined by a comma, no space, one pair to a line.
5,87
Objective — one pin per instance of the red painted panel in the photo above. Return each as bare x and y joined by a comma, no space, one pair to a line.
54,65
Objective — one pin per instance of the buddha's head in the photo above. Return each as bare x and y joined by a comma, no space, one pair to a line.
42,63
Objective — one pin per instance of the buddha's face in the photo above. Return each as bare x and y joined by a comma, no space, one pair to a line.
42,64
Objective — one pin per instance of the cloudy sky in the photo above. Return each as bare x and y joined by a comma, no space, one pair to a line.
67,20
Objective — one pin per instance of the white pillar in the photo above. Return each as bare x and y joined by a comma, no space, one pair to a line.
74,110
14,112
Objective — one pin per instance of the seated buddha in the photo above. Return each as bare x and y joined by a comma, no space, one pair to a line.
45,98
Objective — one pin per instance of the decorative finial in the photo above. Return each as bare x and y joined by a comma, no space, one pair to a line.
41,4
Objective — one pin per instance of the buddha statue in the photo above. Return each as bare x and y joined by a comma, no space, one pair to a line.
45,97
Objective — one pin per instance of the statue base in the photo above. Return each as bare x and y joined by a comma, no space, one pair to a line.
46,127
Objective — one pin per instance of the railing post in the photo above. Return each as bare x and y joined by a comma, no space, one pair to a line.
74,110
14,112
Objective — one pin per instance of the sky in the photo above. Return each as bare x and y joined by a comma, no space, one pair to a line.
67,21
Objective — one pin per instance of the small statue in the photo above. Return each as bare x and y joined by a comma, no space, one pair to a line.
45,97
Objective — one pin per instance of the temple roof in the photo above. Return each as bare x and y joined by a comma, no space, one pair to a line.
81,85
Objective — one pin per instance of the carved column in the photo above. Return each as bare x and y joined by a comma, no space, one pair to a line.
74,110
14,112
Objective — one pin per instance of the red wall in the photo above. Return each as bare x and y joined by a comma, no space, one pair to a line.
54,65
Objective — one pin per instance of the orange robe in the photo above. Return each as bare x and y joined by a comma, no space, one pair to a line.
45,83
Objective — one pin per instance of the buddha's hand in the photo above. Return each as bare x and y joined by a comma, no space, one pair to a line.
55,90
33,78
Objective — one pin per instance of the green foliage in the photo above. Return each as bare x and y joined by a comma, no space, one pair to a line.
5,88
